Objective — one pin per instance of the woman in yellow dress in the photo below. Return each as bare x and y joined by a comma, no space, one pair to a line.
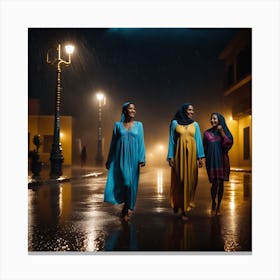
185,153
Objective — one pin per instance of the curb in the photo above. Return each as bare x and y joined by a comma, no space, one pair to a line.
241,170
39,182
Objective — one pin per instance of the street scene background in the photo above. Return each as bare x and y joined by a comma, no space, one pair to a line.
158,69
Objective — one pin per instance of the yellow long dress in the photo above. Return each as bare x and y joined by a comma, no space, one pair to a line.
187,148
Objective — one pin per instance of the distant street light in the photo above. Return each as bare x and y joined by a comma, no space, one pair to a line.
160,148
56,157
99,156
160,152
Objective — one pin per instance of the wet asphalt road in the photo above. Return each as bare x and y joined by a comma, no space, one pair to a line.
72,217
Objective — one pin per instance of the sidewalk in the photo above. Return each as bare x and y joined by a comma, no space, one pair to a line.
241,169
69,173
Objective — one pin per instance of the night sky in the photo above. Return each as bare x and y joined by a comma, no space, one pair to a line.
157,68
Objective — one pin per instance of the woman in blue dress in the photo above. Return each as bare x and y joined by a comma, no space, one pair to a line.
217,141
126,156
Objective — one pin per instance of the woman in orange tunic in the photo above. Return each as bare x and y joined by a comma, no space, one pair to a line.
185,153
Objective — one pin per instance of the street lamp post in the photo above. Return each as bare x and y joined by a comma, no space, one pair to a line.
56,157
99,155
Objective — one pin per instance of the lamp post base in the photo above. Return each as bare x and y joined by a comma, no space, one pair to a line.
99,156
56,165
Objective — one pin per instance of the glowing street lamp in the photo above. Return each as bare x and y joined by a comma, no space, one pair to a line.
160,154
160,148
101,101
56,157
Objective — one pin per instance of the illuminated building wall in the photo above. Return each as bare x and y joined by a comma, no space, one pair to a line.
43,125
238,96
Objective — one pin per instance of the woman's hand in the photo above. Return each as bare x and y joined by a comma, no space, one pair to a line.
221,130
200,162
171,162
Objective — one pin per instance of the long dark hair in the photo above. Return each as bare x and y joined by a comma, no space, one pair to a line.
222,122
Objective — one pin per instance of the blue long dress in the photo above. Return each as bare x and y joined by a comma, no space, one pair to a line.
127,151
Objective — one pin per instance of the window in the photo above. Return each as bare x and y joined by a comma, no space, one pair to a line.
246,143
47,144
244,62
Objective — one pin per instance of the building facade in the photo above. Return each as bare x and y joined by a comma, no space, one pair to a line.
43,125
238,96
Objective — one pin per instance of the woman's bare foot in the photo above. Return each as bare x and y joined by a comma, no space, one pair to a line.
184,216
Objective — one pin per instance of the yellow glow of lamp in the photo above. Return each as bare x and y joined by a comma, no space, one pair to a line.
99,96
160,147
69,49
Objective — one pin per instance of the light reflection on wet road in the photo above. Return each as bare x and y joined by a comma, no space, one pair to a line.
73,217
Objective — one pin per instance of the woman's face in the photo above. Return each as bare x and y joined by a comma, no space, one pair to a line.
131,110
214,120
190,112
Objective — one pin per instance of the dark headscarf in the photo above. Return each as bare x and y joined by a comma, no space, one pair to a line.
181,116
222,122
124,108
